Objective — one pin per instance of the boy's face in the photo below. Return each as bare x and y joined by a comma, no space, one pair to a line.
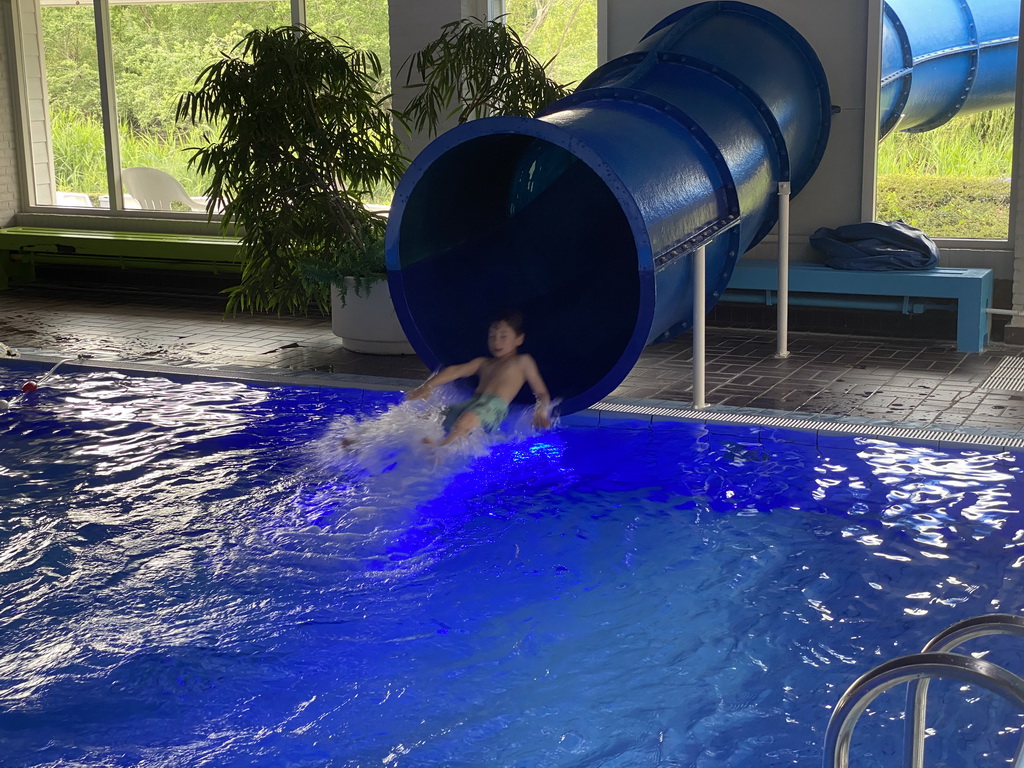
502,339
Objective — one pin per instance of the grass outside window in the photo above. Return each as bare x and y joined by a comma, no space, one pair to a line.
953,182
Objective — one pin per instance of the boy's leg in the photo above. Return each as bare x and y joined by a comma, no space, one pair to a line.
463,425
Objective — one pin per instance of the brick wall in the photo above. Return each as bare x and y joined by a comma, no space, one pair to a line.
8,163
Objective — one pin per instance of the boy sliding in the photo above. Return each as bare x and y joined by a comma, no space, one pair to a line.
502,375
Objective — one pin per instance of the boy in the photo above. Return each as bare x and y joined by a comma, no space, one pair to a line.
502,375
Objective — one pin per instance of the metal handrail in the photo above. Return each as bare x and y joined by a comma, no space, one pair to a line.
907,669
945,641
977,626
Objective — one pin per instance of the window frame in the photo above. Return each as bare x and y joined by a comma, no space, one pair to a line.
968,251
29,48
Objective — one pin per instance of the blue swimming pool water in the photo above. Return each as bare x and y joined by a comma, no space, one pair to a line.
190,577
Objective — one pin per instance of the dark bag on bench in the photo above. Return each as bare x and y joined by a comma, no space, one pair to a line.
876,246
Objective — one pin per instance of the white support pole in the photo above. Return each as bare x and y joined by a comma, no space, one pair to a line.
699,326
782,349
108,104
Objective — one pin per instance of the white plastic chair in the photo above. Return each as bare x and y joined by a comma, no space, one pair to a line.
155,190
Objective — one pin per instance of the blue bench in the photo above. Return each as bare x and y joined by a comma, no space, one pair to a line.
818,285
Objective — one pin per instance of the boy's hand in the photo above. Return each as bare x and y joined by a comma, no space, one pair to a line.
421,392
541,420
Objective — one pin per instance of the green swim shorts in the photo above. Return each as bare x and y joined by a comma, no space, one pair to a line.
490,409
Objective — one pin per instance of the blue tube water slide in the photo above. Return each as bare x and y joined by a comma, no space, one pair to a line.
586,217
941,58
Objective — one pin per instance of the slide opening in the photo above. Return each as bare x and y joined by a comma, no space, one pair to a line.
512,221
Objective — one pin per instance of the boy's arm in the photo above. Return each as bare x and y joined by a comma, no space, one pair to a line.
445,375
541,417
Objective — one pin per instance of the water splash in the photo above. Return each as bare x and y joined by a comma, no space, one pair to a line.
397,440
368,502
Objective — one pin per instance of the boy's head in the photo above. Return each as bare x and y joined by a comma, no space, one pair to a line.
512,318
505,334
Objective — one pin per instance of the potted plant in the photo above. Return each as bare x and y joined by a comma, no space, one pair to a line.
304,136
362,313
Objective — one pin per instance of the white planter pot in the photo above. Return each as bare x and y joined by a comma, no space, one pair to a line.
369,323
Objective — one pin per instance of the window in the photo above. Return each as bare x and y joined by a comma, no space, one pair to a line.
562,30
952,182
68,160
948,85
158,49
361,24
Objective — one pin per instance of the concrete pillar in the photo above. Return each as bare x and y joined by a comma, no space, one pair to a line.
413,24
1013,333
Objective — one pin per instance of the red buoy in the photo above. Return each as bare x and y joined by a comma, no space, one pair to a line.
29,386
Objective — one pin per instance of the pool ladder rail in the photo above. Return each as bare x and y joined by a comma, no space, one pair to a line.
935,660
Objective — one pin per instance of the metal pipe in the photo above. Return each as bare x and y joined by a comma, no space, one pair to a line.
944,642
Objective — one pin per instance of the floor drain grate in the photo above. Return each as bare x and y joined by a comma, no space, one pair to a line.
940,437
1008,375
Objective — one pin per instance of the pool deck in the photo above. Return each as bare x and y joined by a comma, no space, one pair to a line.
910,384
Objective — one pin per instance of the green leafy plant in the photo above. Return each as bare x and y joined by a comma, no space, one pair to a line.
473,69
304,138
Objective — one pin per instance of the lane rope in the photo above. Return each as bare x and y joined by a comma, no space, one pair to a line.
32,386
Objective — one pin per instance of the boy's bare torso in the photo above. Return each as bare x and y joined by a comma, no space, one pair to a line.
503,377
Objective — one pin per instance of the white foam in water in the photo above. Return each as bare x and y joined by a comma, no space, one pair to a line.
388,471
395,441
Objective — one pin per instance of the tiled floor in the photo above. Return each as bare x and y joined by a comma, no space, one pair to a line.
923,383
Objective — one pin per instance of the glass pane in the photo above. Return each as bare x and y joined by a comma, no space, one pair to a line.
947,92
68,162
159,50
360,24
953,181
563,30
